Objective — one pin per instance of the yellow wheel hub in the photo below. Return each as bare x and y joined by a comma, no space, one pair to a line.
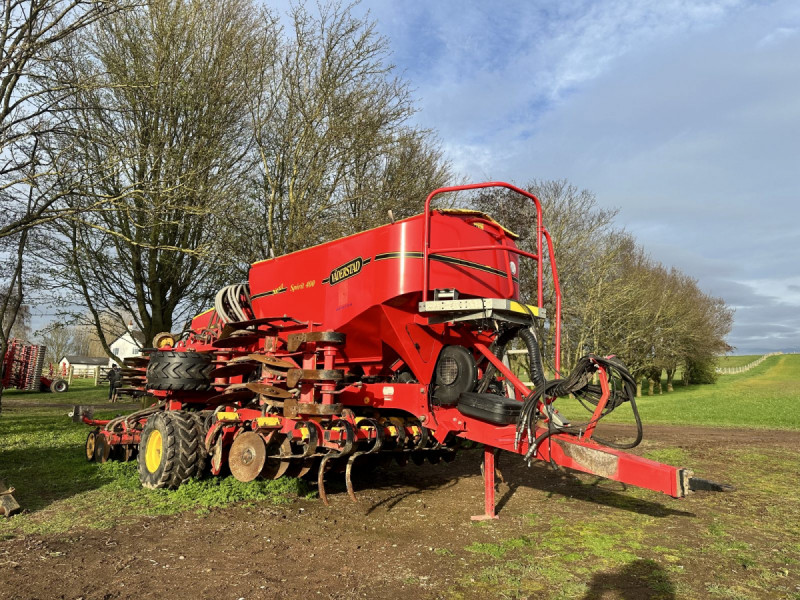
155,447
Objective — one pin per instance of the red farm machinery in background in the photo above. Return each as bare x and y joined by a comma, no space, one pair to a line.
22,369
387,345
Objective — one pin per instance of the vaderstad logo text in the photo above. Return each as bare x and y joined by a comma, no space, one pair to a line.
346,270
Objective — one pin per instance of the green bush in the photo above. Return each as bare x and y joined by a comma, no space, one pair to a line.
703,370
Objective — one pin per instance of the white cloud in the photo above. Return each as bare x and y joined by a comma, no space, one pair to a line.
684,114
777,35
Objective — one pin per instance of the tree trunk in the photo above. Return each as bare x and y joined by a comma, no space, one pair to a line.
651,385
670,376
12,300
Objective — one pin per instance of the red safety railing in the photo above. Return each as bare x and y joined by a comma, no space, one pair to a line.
541,234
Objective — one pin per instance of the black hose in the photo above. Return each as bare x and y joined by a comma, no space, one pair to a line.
534,357
578,383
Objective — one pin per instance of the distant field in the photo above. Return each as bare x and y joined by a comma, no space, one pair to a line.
766,396
737,361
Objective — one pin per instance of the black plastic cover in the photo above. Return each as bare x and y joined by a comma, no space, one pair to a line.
489,407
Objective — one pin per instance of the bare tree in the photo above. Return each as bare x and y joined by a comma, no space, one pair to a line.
58,338
30,33
616,299
330,123
707,320
585,244
166,124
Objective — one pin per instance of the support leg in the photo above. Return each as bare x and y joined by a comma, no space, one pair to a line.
488,483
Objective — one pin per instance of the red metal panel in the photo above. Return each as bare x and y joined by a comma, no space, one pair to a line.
342,284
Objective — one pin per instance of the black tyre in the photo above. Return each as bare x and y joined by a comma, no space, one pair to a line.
170,450
456,372
199,420
59,386
171,370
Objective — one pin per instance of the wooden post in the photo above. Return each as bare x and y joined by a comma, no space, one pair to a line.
96,375
69,376
8,506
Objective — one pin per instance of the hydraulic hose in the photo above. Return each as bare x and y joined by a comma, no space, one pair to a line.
534,357
579,384
498,348
228,304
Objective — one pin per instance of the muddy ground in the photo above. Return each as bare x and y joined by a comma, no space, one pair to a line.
407,537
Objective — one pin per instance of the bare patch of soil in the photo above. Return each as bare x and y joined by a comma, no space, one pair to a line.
407,537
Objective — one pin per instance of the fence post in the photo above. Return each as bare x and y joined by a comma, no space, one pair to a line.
69,377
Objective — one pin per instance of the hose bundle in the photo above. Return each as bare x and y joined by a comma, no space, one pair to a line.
231,303
579,383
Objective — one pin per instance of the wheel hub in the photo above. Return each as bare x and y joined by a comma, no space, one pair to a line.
155,448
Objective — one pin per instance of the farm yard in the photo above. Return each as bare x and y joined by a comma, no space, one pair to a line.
89,531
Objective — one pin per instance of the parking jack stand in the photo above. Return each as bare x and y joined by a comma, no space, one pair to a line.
488,482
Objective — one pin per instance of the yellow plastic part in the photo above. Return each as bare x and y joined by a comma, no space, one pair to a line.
268,421
227,416
520,308
154,450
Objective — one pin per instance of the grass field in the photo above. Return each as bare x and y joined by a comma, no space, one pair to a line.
41,455
767,396
737,361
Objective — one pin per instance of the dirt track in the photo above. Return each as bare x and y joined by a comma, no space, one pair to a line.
406,537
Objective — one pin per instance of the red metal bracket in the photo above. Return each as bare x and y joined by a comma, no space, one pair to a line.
488,485
601,404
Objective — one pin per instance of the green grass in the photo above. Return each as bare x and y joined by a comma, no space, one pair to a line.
741,545
82,391
737,361
42,456
588,543
767,396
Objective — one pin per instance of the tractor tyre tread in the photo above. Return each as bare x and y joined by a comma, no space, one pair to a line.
202,458
189,452
181,449
175,371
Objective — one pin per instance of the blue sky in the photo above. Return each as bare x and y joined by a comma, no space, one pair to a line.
684,115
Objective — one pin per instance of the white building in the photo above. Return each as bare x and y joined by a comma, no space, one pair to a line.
83,366
126,345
